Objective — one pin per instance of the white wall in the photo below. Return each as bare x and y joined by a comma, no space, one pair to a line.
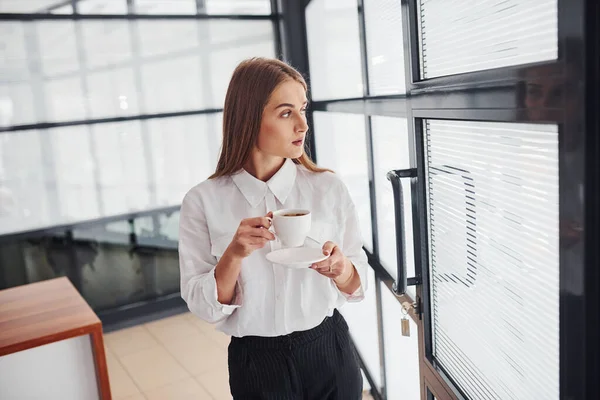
62,370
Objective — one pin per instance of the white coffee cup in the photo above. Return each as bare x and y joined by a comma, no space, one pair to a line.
291,226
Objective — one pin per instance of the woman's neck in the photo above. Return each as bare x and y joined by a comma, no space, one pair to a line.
263,168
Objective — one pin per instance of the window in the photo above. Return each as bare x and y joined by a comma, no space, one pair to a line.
362,321
334,49
385,51
341,146
494,255
464,36
390,151
401,352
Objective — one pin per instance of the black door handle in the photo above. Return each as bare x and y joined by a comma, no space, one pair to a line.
395,177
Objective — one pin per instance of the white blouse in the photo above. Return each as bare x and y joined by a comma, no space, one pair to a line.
270,299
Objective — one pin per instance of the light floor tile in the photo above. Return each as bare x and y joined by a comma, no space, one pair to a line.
130,340
172,329
187,389
216,383
153,368
121,384
197,353
134,397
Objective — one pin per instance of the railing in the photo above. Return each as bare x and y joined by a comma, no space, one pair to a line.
113,262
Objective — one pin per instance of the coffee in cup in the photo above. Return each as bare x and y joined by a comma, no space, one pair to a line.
293,214
291,226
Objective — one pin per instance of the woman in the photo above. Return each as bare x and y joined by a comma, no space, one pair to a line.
288,339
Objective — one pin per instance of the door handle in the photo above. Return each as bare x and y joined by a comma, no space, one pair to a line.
395,177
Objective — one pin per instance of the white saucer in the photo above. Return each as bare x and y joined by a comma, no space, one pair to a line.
297,257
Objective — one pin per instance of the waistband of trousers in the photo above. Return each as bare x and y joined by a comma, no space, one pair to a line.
295,338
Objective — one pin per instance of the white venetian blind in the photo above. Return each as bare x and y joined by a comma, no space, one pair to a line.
493,224
460,36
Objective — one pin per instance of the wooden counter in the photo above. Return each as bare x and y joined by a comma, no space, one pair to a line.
47,312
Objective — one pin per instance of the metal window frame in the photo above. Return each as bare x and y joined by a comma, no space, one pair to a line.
275,16
80,17
492,96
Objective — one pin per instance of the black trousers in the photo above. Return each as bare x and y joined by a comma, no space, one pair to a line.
318,364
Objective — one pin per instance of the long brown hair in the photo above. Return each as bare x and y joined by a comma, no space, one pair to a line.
250,88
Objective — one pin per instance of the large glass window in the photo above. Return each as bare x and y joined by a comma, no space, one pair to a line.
334,49
362,320
465,36
385,51
122,167
77,70
341,146
52,45
494,255
63,175
20,6
102,6
112,92
214,7
74,168
165,7
390,151
107,43
183,152
401,352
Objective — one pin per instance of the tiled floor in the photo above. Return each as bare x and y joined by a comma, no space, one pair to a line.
179,357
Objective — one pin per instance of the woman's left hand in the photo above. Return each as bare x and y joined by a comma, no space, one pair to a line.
336,266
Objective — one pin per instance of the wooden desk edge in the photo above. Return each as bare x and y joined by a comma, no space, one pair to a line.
51,338
97,342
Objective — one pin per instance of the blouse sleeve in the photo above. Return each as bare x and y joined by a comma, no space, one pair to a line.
197,265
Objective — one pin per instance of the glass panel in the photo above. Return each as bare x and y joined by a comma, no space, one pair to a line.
165,6
334,49
166,37
159,228
401,352
255,7
64,175
16,95
27,184
14,52
127,68
341,146
26,7
13,97
53,45
110,269
122,163
184,152
106,43
383,20
215,7
112,93
65,99
165,91
390,151
58,7
102,6
67,9
74,172
115,272
362,320
494,256
462,35
206,53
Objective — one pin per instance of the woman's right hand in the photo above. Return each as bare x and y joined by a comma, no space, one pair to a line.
252,234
